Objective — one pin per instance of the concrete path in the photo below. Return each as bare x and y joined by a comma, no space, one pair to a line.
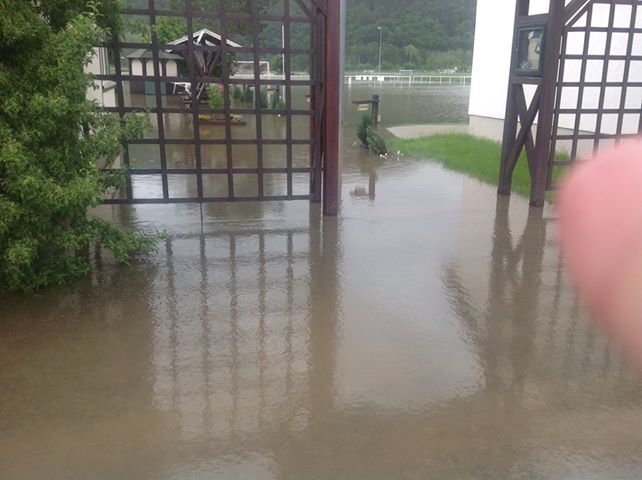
418,131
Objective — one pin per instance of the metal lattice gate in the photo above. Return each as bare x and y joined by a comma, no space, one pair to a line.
237,96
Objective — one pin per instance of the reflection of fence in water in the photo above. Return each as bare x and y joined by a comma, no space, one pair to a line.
230,348
532,322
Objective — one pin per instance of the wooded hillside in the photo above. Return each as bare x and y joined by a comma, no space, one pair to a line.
417,34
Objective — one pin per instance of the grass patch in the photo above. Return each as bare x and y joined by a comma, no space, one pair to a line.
477,157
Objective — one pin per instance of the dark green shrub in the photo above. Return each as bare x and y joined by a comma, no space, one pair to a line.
215,97
52,140
370,138
376,144
362,131
248,95
264,99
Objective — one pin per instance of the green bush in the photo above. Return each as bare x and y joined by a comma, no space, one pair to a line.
362,130
264,99
376,144
51,141
369,137
248,95
215,97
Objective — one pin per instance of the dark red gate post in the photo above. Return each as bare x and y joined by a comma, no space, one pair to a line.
511,118
332,117
520,114
541,164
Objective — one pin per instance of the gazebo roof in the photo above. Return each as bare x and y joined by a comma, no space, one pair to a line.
144,54
205,37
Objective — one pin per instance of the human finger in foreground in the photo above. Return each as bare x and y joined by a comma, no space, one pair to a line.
600,213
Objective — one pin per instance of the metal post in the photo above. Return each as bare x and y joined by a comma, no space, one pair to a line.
283,47
343,57
332,118
375,111
380,43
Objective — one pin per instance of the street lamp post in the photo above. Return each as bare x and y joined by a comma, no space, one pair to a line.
380,38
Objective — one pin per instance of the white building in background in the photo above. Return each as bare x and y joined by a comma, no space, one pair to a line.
491,67
103,91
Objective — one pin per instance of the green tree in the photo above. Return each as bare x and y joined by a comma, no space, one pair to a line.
412,54
51,141
169,29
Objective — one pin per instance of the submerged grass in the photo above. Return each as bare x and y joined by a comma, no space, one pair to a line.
471,155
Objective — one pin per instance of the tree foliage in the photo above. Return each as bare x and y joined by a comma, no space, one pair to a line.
215,97
51,141
416,34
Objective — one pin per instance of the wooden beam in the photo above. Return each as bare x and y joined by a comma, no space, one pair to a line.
547,103
522,8
332,117
524,137
573,8
323,5
511,115
527,117
304,8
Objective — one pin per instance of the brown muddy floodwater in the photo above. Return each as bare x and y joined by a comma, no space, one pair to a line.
428,333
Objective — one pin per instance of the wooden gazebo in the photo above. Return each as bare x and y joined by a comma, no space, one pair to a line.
205,60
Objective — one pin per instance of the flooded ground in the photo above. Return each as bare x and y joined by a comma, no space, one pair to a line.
427,333
402,105
399,106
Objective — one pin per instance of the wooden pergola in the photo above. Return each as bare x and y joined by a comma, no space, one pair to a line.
202,49
550,34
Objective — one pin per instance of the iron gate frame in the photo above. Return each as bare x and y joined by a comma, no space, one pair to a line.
324,19
561,20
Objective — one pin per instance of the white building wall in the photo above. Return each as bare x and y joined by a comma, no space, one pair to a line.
137,67
103,90
491,58
172,68
491,67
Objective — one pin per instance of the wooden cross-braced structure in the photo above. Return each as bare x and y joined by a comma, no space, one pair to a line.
587,92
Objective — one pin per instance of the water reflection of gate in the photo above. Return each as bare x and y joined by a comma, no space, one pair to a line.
246,362
266,141
247,340
532,321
